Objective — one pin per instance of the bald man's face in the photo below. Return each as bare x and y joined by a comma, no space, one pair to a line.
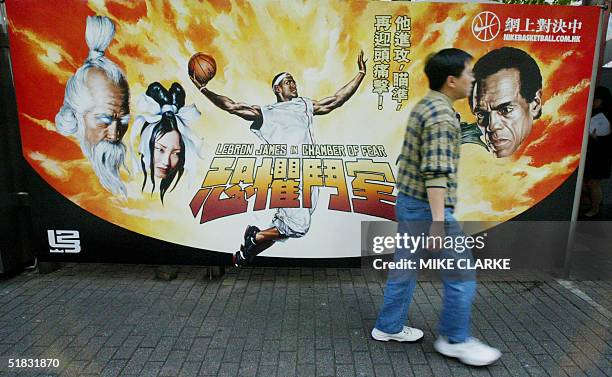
108,118
287,88
503,113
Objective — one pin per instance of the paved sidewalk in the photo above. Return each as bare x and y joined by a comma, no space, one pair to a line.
118,320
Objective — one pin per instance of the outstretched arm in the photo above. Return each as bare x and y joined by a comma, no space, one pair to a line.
246,112
327,104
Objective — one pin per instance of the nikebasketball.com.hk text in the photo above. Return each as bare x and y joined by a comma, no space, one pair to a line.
543,38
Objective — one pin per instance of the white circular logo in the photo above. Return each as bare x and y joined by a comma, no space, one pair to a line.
486,26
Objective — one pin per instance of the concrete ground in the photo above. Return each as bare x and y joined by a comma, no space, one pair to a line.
120,320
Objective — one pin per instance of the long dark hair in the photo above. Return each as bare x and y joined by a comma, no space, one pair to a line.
603,93
168,123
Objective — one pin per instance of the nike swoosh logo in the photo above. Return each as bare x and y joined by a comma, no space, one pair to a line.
478,29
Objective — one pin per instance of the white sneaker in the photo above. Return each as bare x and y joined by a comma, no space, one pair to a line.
471,352
408,334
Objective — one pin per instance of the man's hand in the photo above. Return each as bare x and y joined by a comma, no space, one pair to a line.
361,62
327,104
198,84
436,229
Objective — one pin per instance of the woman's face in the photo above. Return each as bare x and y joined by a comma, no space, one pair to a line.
166,154
597,103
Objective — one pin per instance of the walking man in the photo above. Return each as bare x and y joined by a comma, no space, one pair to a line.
427,184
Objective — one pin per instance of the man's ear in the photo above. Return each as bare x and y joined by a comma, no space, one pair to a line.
451,81
276,89
473,96
535,106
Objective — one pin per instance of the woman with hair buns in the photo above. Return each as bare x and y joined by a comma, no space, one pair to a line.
167,145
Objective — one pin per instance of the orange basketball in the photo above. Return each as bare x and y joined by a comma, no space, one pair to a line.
202,67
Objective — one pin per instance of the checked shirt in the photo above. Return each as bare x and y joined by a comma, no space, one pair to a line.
430,154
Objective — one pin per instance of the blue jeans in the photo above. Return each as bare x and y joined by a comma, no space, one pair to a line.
458,292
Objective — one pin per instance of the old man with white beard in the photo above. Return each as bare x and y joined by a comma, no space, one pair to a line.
96,107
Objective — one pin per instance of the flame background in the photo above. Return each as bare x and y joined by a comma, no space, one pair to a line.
318,42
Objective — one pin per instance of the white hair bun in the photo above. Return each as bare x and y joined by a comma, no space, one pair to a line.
66,121
99,33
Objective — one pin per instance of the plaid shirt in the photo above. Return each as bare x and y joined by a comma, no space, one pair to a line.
430,154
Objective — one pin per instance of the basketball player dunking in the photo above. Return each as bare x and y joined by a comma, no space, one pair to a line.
288,121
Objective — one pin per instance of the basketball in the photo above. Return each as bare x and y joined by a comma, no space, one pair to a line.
202,68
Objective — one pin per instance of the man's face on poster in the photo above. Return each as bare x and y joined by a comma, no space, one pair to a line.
502,112
108,119
287,88
102,127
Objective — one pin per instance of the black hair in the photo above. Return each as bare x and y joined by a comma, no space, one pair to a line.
277,76
168,123
508,58
603,93
444,63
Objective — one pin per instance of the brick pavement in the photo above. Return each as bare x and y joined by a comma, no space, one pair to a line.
118,320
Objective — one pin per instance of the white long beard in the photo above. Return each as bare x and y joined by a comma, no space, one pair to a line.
106,160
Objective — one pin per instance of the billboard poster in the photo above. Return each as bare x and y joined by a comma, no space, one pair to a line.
189,122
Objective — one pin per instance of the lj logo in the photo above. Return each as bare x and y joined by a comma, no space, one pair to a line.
64,241
486,26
